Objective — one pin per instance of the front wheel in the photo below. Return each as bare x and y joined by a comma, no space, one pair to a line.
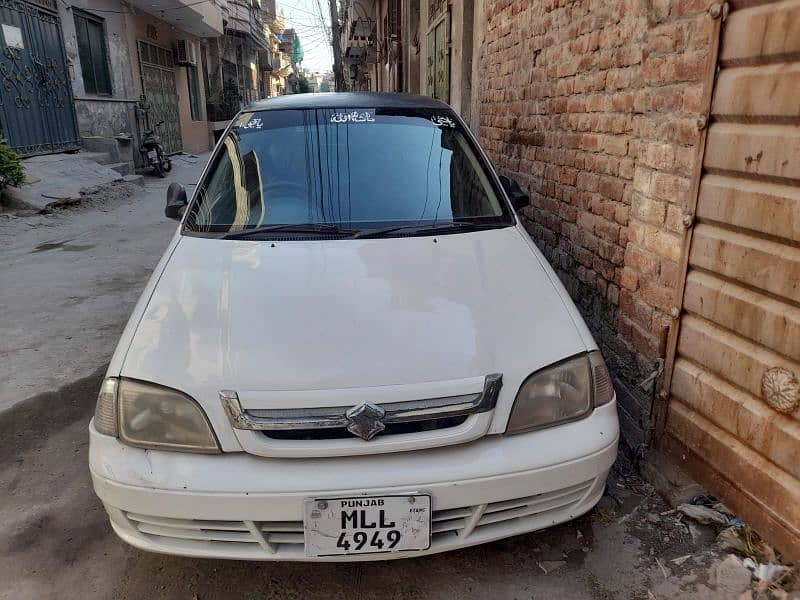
162,164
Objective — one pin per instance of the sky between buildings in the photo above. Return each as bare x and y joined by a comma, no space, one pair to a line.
311,20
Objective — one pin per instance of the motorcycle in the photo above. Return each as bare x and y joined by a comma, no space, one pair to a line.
153,154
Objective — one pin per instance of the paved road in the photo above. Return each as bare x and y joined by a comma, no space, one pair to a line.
69,281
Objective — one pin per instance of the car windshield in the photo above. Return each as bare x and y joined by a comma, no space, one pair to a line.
354,169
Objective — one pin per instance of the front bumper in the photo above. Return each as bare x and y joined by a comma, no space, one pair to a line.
246,507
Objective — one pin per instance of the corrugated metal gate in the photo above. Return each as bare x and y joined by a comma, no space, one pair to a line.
734,409
37,113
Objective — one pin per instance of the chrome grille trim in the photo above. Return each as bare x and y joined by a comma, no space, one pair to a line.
395,412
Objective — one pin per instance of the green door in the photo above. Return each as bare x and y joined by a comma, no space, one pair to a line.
438,79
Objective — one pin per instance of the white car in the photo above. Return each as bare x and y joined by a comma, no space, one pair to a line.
351,350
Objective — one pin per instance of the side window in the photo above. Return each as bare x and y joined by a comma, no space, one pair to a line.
194,93
91,38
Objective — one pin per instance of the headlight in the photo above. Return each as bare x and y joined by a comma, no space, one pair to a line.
563,392
150,416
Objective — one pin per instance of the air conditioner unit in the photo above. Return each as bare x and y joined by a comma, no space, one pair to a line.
186,52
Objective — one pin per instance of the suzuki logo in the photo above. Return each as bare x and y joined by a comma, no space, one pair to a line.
365,420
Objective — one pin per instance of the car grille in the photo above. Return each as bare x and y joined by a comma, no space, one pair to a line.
342,430
341,433
284,539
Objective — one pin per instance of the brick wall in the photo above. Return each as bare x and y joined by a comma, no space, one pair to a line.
593,106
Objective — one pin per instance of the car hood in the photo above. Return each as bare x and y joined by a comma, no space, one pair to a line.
334,314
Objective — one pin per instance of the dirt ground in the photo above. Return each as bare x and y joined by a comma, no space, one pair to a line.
69,282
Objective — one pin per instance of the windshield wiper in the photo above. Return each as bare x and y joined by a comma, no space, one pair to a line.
460,226
288,228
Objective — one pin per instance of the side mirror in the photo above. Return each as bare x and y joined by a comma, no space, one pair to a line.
176,201
519,199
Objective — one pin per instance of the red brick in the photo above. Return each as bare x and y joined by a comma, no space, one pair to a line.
637,311
657,295
648,210
657,156
641,260
674,218
621,214
617,145
686,7
612,293
670,275
594,106
611,188
626,168
685,67
693,99
641,339
668,187
629,279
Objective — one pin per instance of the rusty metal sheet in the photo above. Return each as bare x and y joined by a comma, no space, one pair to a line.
758,92
762,33
772,488
738,360
755,316
758,262
740,414
733,417
765,150
760,206
745,505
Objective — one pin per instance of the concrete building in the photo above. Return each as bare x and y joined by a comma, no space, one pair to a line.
240,61
192,65
411,46
360,44
126,75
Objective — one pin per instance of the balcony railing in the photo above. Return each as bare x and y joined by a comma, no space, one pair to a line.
258,29
266,60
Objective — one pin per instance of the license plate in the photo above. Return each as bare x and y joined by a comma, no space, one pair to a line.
362,525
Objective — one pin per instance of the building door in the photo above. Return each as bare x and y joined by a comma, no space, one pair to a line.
161,94
37,113
733,415
438,60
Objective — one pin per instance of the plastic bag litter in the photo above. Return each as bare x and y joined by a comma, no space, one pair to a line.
703,514
767,573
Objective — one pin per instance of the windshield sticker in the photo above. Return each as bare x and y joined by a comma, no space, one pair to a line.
254,123
442,121
354,116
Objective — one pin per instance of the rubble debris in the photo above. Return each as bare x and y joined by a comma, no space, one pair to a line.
731,576
662,567
703,514
754,546
550,565
767,573
730,539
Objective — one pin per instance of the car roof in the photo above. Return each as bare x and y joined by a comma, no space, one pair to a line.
345,100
